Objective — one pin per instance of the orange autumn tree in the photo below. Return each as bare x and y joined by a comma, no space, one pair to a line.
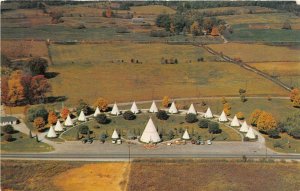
15,88
215,31
165,101
240,115
102,104
52,118
39,123
294,93
266,122
227,109
64,113
296,101
254,117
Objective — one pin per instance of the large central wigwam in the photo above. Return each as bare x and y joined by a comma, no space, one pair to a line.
150,134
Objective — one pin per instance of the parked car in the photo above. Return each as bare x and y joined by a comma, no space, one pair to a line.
209,142
193,141
198,142
169,144
202,142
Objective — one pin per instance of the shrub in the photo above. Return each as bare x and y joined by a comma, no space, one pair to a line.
273,133
171,135
101,118
128,115
213,127
37,66
191,118
39,123
240,115
165,101
8,138
295,132
35,112
83,129
246,139
162,115
122,30
102,138
203,123
9,129
80,26
278,144
286,25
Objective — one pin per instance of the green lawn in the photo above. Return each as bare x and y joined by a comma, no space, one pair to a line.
174,123
288,143
24,144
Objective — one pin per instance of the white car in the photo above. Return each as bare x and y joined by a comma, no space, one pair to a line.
209,142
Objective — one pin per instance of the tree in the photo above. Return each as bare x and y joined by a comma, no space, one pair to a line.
64,113
266,122
26,83
286,25
294,93
203,123
296,101
215,31
101,118
83,106
8,129
254,117
56,17
102,104
191,118
224,100
35,112
37,66
227,108
39,87
179,23
162,115
103,137
213,127
15,88
4,90
8,138
171,135
52,118
30,134
165,101
240,115
128,115
207,24
295,132
195,29
273,133
39,123
163,20
83,129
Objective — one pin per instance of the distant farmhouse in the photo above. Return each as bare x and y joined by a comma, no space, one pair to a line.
8,120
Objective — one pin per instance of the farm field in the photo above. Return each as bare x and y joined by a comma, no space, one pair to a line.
175,123
152,10
258,52
287,72
23,143
90,67
213,175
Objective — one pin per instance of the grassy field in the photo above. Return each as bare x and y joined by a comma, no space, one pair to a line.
287,72
24,144
98,176
95,70
258,52
213,175
152,10
288,143
174,123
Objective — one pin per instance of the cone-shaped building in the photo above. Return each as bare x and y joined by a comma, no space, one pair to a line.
115,110
68,121
150,133
250,134
208,114
134,109
153,108
51,133
58,126
235,122
173,108
81,116
115,135
223,117
244,127
192,110
186,135
97,112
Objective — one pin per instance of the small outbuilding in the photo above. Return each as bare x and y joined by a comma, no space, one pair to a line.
150,134
134,109
244,127
115,110
235,122
192,110
223,117
208,114
58,126
173,108
97,112
68,121
186,135
9,120
51,133
153,108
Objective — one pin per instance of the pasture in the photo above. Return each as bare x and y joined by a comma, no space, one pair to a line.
90,71
152,10
258,52
175,123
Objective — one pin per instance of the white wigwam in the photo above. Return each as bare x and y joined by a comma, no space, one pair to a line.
51,133
223,117
153,108
115,135
192,110
244,127
173,108
134,109
81,116
97,112
58,126
150,133
208,114
186,135
235,122
250,134
115,110
68,121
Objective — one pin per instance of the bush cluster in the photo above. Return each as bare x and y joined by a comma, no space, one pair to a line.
128,115
162,115
191,118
